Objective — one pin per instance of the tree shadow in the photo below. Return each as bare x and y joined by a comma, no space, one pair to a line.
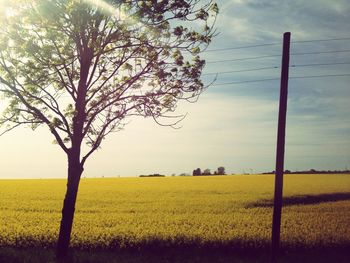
303,200
44,255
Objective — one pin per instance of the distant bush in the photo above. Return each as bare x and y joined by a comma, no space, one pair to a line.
206,172
313,171
219,171
197,172
152,175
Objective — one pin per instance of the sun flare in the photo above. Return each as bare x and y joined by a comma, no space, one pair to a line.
5,9
107,8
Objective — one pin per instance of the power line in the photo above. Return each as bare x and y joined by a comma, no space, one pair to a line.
320,76
321,40
319,64
276,67
321,52
242,59
276,43
272,79
241,47
244,81
270,56
242,70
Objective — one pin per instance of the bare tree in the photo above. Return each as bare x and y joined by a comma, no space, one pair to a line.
82,67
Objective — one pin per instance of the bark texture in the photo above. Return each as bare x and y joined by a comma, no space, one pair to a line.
75,169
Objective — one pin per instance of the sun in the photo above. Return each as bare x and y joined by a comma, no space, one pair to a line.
107,8
118,13
7,9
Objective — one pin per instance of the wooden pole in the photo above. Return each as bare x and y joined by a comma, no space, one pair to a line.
277,207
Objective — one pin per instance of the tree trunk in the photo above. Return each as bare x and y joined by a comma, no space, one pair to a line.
75,169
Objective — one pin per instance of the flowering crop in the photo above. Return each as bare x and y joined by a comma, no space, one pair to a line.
226,211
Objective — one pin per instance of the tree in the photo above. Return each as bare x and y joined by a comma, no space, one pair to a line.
206,172
197,172
82,67
221,170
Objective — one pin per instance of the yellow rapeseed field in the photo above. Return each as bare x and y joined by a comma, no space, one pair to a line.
233,211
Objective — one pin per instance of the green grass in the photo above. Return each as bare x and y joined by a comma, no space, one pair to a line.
230,212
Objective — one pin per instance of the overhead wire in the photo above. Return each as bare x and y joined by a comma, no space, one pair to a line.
241,47
272,79
242,59
276,43
235,71
244,81
321,40
320,76
279,55
319,64
320,52
276,67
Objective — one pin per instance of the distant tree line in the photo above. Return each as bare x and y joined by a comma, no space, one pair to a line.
314,171
152,175
219,171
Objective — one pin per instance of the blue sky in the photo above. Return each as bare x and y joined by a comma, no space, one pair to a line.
232,125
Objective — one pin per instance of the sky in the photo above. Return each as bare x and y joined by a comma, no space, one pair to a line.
232,125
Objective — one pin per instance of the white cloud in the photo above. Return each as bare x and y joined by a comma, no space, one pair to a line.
262,20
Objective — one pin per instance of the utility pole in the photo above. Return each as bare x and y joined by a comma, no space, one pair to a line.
277,205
